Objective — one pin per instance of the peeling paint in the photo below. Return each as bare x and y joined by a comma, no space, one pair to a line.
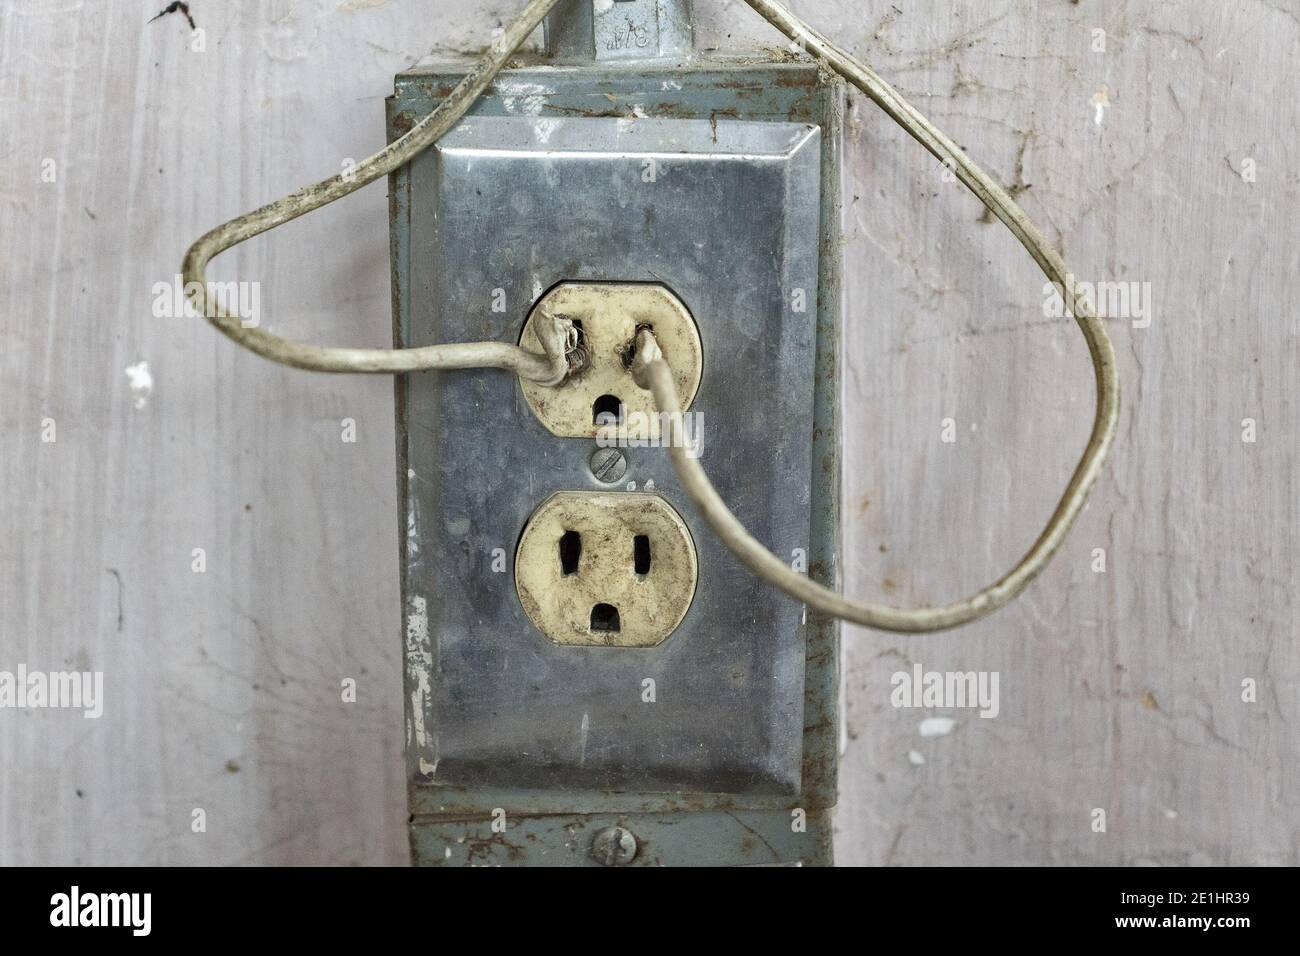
419,665
413,528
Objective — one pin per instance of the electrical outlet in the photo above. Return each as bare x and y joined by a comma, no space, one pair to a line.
610,569
608,315
702,197
729,276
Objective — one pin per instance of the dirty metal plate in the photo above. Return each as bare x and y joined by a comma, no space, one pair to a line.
771,838
502,210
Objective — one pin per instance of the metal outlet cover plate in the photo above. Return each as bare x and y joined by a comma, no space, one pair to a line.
501,210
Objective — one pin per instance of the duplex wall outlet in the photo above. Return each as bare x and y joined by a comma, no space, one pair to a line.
608,315
606,569
563,205
712,188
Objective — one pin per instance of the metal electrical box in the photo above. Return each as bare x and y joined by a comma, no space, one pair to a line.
621,156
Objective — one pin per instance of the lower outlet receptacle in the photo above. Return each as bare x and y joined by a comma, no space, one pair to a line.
606,569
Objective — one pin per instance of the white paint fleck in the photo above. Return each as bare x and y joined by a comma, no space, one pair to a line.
1100,103
526,98
937,726
604,6
1171,814
915,758
582,732
141,383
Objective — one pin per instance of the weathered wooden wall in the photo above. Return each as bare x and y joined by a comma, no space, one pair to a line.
1169,158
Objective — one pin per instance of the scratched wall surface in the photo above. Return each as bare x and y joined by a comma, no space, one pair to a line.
1161,153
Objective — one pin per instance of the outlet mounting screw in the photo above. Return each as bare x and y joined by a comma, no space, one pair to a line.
614,846
608,465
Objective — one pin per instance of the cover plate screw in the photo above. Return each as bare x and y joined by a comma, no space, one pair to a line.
608,465
614,846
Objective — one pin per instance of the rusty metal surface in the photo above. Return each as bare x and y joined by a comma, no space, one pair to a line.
741,88
714,838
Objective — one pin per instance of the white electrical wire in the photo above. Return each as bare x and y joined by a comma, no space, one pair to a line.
652,372
649,368
558,338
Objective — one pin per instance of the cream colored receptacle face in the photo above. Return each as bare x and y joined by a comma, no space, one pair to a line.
609,315
606,569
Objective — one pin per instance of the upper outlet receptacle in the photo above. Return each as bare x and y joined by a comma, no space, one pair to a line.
608,316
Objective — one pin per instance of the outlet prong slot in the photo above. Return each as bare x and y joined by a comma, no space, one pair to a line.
641,555
570,552
607,410
604,619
